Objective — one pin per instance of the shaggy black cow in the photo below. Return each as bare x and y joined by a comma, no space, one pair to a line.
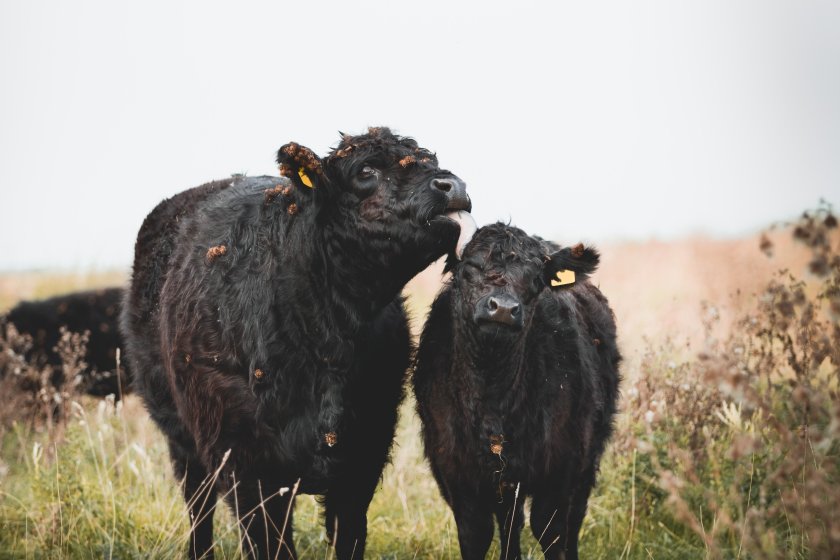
516,385
94,311
269,338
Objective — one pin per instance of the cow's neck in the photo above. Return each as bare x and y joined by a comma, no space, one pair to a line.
364,273
341,284
498,364
357,278
339,287
495,372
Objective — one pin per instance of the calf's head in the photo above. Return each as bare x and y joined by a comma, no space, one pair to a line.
503,273
386,189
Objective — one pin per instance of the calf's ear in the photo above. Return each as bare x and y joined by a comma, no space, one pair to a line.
301,165
570,265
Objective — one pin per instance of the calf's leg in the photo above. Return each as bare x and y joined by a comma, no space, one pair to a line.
550,517
577,509
474,518
510,518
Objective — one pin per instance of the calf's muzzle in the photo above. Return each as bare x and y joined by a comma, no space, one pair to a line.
498,308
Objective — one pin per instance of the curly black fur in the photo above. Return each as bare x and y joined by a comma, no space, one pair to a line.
94,311
512,412
264,318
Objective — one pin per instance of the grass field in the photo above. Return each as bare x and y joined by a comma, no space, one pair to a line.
727,444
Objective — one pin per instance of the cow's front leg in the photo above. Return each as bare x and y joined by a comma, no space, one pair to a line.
265,510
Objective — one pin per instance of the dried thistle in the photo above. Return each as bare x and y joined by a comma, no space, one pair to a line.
304,157
215,252
497,444
344,152
36,393
274,192
766,245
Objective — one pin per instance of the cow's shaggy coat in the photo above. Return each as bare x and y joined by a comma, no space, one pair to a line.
95,312
516,386
269,338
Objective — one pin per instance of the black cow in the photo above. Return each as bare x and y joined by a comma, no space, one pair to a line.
269,338
516,385
94,311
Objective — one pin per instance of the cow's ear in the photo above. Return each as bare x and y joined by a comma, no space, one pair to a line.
301,165
570,265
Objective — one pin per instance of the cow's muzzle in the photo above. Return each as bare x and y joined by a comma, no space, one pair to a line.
502,309
455,191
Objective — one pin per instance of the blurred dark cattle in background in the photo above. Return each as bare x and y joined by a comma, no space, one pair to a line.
93,311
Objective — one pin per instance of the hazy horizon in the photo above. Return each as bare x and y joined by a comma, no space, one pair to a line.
602,242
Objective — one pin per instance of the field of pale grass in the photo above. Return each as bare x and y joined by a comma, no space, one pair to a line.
726,445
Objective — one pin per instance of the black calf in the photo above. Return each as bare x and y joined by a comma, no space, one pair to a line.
516,385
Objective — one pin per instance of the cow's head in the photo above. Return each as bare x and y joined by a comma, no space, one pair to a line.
503,273
387,190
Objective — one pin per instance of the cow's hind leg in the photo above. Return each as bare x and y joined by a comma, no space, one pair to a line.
200,495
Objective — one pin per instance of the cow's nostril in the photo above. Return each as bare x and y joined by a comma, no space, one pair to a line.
501,309
454,190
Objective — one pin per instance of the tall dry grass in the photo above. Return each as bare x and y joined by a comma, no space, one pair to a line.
740,446
726,445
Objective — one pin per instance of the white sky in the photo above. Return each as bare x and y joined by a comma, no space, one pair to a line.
584,120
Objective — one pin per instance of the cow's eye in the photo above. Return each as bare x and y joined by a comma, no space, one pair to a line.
470,272
367,172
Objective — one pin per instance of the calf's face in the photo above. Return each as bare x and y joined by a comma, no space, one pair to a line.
503,273
388,186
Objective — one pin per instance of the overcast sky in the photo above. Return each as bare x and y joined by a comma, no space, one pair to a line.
596,121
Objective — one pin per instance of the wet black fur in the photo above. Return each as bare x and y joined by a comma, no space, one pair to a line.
94,311
549,389
307,292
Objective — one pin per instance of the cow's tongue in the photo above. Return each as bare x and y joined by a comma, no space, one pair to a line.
465,220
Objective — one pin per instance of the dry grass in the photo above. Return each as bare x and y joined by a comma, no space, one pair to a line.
726,447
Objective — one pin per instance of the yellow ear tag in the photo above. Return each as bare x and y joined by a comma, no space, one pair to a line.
305,178
564,278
